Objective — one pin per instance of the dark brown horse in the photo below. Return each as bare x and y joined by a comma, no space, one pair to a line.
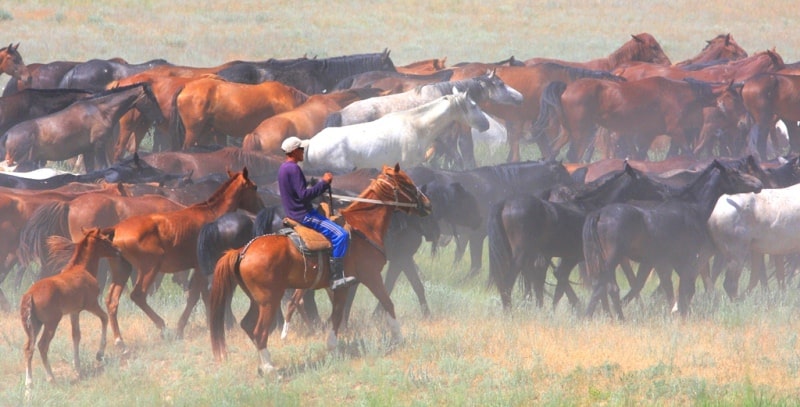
637,111
205,161
209,107
84,127
722,47
303,121
768,98
270,264
641,47
666,235
73,290
32,103
167,243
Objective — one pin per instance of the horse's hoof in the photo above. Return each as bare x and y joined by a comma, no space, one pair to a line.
99,356
265,370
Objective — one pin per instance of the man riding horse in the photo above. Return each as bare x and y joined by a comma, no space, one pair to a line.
296,198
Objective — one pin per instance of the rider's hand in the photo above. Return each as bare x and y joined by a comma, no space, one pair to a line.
327,178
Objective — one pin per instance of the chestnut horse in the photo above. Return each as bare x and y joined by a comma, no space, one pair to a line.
205,161
270,264
209,107
167,243
423,67
768,98
739,70
303,121
641,47
11,62
637,111
73,290
720,48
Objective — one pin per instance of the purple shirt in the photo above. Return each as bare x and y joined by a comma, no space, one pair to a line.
296,197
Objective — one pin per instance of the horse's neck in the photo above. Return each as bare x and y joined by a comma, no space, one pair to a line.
85,258
114,108
430,121
219,203
705,192
370,219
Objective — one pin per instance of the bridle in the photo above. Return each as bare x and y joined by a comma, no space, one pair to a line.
397,193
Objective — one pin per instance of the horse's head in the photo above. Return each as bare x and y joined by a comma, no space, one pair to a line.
148,104
724,46
247,192
472,114
645,48
11,63
395,185
452,203
734,181
495,90
99,241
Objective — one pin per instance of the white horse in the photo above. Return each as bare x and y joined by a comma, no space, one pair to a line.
399,137
748,226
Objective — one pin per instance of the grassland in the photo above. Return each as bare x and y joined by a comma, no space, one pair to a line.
469,353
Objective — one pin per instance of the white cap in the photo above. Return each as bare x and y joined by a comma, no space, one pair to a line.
293,143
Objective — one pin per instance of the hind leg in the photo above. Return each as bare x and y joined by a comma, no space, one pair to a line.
75,321
48,333
32,331
197,284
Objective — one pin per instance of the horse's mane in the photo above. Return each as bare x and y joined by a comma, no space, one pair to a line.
632,49
219,192
253,160
57,91
113,91
347,65
575,72
701,89
702,65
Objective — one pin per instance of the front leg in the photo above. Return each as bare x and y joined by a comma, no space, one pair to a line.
74,319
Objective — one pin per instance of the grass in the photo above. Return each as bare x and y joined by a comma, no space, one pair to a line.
469,352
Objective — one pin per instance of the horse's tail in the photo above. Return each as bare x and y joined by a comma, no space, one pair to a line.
176,122
592,250
61,250
48,220
499,250
221,291
208,251
549,108
333,120
264,221
30,323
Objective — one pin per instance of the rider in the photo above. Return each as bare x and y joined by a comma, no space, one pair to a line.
296,198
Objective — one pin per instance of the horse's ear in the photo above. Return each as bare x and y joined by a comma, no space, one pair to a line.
728,39
16,46
109,233
397,168
636,38
244,173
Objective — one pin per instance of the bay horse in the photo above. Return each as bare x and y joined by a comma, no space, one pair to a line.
73,290
770,97
11,62
209,107
402,136
524,228
303,121
530,81
166,242
392,82
82,128
666,235
270,264
722,47
736,71
32,103
637,111
641,47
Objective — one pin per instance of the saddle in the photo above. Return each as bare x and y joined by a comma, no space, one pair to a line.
307,240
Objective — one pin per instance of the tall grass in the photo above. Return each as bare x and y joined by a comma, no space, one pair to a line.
469,352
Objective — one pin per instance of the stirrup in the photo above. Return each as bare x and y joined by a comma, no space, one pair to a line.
343,282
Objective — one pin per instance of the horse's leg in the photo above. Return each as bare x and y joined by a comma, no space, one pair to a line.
294,301
338,311
139,296
562,281
396,266
757,271
412,274
537,276
638,281
686,287
248,322
476,254
780,270
74,319
514,134
375,285
466,148
120,272
31,332
197,283
266,315
94,308
44,346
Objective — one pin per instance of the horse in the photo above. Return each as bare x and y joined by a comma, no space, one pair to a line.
95,74
32,103
392,82
530,81
73,290
637,111
209,107
641,47
303,121
270,264
60,218
82,128
667,235
11,62
205,161
770,97
736,71
167,243
402,136
423,67
749,225
490,184
525,228
722,47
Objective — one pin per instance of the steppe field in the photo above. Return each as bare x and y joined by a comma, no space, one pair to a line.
468,352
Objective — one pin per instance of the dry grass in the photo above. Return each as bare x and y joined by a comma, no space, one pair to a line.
469,352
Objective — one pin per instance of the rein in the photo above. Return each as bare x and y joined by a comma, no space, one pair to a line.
375,201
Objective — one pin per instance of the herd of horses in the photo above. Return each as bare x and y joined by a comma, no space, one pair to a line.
201,204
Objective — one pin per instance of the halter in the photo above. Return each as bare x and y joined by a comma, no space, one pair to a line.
396,201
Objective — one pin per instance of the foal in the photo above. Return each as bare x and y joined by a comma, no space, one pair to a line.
73,290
